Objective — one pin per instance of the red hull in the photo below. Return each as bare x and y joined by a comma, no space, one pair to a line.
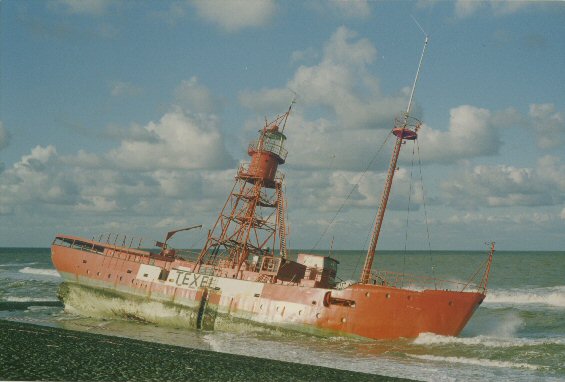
373,311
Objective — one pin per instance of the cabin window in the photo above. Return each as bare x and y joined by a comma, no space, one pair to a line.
97,273
129,271
84,261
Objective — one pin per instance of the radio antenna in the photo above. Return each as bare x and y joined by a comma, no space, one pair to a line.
409,108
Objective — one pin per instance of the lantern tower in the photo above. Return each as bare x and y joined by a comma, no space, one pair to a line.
252,222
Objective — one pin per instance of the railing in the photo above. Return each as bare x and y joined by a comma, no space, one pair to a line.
119,240
406,121
406,280
272,146
243,171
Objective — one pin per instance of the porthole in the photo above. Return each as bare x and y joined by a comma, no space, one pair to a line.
313,302
367,294
299,312
387,295
409,297
317,315
343,320
450,303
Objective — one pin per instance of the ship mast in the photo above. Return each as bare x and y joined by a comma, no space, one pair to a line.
405,128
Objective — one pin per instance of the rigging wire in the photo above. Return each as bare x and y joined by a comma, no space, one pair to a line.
351,191
426,215
408,215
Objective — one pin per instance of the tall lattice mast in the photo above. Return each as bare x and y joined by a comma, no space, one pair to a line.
246,229
405,128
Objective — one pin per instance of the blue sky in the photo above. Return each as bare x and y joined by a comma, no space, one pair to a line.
131,116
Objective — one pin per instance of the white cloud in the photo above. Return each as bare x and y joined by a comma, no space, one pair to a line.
467,8
234,15
507,7
195,97
471,134
98,204
503,185
185,141
548,124
339,84
31,179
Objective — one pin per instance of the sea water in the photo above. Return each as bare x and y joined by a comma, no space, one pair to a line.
518,333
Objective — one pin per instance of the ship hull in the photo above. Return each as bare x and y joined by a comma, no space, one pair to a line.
372,311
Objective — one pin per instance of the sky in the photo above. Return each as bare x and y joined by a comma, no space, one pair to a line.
132,116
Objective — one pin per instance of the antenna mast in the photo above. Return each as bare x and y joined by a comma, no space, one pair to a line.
405,129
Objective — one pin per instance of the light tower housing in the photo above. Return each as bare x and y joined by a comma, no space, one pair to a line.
266,153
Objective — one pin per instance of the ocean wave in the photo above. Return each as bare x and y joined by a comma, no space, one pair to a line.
29,299
40,271
477,361
550,296
16,264
487,341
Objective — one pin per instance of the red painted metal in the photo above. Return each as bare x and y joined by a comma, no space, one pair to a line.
368,310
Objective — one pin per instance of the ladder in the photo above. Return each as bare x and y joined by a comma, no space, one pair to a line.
280,219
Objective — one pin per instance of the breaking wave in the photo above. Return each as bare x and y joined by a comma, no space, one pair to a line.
549,296
16,264
477,362
40,271
29,299
487,341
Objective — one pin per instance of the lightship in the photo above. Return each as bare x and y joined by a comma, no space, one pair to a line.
245,271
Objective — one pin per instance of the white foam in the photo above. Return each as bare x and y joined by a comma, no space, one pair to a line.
487,341
16,264
549,296
477,362
40,271
29,299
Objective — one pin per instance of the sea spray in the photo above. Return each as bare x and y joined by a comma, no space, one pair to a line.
548,296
